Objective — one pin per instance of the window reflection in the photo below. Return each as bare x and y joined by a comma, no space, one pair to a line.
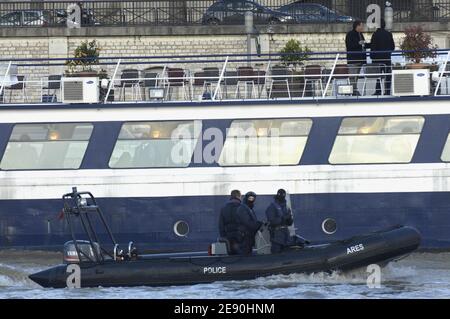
155,144
46,146
364,140
265,142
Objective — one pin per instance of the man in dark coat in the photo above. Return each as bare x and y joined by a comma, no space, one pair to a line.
356,56
229,227
279,216
382,40
248,224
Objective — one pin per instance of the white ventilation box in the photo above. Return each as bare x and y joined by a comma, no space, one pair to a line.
80,90
411,82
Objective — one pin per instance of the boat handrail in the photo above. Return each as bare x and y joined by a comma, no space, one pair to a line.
186,58
201,79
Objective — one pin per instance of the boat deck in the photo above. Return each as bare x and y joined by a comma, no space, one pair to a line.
229,79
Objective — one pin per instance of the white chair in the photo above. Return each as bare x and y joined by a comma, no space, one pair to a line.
374,71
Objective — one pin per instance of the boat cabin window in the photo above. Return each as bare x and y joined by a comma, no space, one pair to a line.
265,142
445,157
155,144
374,140
46,146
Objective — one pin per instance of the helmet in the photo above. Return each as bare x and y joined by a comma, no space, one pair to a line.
281,195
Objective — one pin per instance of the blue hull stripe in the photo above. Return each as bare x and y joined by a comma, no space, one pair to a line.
149,221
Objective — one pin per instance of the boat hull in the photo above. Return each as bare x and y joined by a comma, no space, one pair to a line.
154,270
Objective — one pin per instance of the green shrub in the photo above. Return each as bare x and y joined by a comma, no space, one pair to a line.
293,53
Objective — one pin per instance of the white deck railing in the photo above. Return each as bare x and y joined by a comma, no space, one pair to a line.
217,78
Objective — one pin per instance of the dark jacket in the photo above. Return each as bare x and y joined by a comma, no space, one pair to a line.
228,220
248,220
248,226
279,217
382,40
352,45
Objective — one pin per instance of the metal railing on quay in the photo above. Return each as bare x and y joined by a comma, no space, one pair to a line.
21,14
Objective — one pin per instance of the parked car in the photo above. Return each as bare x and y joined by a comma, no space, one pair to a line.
313,12
233,12
26,18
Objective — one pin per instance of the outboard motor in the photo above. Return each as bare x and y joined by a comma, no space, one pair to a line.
86,252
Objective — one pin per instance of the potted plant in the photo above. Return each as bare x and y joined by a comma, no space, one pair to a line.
86,55
418,46
293,54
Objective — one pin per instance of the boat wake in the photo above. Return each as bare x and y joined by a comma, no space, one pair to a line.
392,272
14,276
16,265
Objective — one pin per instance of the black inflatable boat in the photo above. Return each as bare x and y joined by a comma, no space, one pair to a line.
98,267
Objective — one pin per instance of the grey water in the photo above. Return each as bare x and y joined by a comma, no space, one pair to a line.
420,275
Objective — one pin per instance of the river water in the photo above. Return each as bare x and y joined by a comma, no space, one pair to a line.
420,275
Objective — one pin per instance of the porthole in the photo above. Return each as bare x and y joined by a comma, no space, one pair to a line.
329,226
181,228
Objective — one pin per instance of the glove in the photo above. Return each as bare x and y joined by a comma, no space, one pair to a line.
288,220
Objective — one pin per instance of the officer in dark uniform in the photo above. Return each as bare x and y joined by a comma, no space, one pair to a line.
248,224
279,216
229,223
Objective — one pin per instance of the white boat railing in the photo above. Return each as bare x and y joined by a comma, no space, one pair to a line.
442,72
4,77
112,81
330,77
222,78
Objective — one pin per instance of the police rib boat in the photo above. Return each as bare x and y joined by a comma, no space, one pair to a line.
88,263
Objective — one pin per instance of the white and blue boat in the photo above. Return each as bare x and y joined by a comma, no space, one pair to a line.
163,147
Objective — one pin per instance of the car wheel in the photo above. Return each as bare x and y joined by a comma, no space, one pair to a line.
213,22
274,21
